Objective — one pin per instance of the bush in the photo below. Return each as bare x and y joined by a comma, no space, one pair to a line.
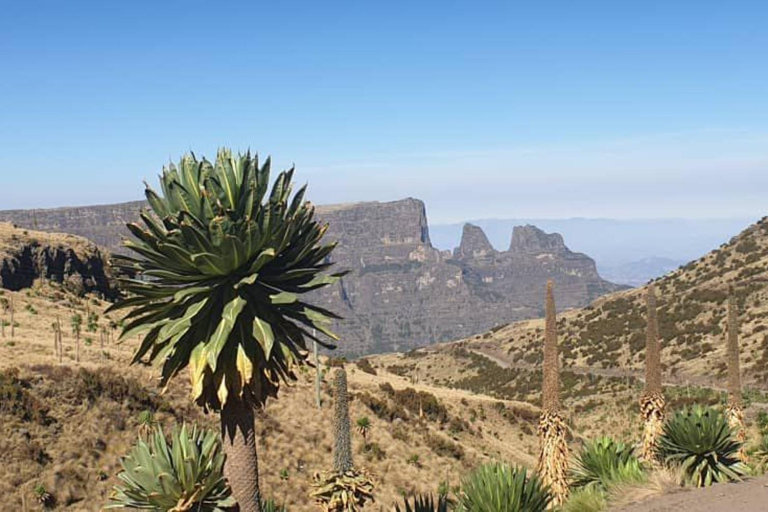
444,447
16,399
365,366
586,499
700,441
604,461
502,488
183,474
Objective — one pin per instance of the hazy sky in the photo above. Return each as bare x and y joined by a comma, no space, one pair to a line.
482,109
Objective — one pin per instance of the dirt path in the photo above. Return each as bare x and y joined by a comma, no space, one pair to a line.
500,359
750,496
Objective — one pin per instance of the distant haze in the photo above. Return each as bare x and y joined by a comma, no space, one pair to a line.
626,251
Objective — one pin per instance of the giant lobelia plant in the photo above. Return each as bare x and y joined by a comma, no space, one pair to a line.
221,265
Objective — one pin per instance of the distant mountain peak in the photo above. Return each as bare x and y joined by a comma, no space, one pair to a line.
474,243
530,239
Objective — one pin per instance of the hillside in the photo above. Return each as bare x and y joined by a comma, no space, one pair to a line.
72,261
436,412
401,292
66,423
606,340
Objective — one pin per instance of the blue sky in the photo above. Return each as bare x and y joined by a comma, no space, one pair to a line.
482,109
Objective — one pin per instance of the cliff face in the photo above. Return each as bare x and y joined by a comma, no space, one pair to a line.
76,263
402,292
102,224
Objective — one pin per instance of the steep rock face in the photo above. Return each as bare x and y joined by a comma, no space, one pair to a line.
102,224
402,292
531,240
474,243
76,263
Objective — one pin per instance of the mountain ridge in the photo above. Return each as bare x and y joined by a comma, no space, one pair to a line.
402,292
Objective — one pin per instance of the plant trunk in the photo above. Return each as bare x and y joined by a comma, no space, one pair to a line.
242,467
342,448
317,374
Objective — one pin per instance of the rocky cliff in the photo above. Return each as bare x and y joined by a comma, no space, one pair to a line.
76,263
402,292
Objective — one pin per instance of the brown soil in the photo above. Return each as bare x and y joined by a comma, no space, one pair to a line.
749,496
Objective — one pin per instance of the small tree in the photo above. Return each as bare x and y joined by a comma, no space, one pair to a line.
652,401
553,455
363,426
77,323
224,264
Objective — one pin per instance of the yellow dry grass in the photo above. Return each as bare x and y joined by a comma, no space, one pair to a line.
83,447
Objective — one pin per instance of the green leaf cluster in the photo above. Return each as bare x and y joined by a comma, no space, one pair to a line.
503,488
216,281
425,503
603,461
699,440
183,474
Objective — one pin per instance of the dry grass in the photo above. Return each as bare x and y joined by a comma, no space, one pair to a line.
660,481
76,456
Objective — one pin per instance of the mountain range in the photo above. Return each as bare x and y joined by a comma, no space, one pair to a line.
401,292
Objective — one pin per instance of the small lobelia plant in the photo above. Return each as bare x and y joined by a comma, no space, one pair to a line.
734,411
45,498
652,402
552,464
701,442
147,422
363,426
503,488
603,462
425,503
185,473
345,489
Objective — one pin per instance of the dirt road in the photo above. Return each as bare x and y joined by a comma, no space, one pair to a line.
749,496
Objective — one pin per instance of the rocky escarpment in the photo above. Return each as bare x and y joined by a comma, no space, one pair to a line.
402,292
102,224
72,261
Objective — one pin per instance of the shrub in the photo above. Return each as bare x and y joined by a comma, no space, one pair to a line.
586,499
191,469
502,488
16,399
444,447
605,461
365,366
701,442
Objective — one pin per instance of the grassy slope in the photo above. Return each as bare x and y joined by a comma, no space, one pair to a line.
82,423
608,336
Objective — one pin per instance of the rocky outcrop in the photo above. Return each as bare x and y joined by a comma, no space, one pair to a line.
401,292
531,240
75,263
474,244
